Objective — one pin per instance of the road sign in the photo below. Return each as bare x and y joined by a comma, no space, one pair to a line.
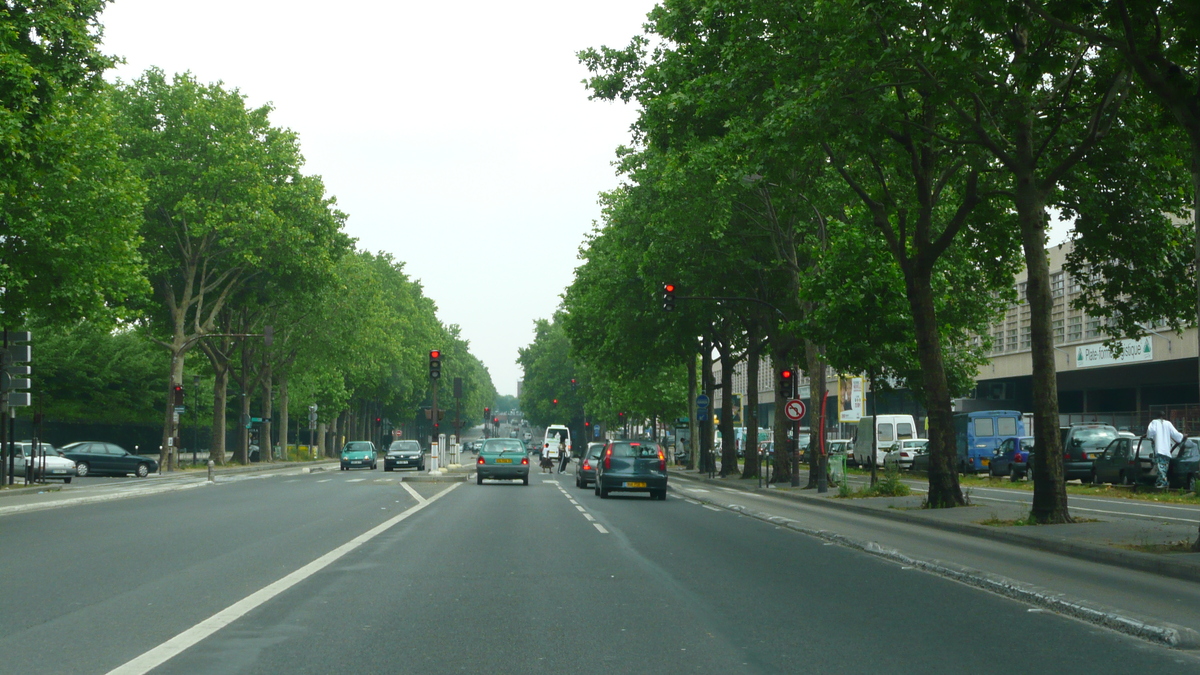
794,409
180,409
702,401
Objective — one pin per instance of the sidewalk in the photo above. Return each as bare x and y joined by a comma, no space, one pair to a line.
1104,540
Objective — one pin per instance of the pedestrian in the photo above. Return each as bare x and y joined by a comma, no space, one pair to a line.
563,457
1164,434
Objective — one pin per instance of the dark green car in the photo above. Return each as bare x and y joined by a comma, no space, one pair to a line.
502,459
1130,461
93,458
632,466
358,455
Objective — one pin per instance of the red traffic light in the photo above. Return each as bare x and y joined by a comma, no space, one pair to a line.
785,374
495,420
435,354
670,288
555,401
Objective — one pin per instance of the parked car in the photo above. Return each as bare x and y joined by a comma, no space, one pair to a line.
841,447
96,458
902,453
587,466
503,459
46,463
404,454
632,466
1013,458
358,454
1130,461
1081,444
977,435
920,463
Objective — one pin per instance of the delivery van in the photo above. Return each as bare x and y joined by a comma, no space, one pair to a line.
554,432
978,434
888,430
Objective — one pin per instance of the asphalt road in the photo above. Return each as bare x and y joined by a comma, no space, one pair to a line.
352,572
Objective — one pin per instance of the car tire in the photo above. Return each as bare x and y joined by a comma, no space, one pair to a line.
421,467
603,493
525,480
596,488
1125,479
577,484
478,479
143,470
68,480
82,469
1012,474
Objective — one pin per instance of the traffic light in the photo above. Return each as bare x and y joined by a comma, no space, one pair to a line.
435,364
574,383
178,389
668,297
787,383
486,412
555,401
495,420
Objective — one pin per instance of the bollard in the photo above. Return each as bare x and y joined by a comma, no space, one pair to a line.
210,471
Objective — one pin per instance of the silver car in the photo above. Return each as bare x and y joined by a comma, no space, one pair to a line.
46,463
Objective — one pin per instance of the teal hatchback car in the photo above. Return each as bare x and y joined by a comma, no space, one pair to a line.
357,455
502,459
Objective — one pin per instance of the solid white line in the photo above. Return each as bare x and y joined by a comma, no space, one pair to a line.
416,496
600,527
581,509
190,637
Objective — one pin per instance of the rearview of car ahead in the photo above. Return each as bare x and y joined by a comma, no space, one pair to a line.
504,459
632,466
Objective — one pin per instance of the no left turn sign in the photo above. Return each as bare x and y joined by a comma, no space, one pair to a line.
794,409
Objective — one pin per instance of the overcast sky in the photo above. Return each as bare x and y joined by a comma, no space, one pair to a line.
457,136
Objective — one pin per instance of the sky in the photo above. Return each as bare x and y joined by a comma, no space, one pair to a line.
457,136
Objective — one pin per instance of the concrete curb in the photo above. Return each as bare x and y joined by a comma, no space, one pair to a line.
1142,562
32,489
1151,630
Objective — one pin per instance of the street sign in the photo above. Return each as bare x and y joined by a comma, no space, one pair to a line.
702,401
180,409
794,409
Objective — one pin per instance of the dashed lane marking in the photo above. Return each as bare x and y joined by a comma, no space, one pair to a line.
601,528
581,509
711,508
325,480
356,480
589,517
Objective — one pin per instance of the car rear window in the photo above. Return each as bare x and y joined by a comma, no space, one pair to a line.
635,450
503,445
1006,426
984,427
1096,437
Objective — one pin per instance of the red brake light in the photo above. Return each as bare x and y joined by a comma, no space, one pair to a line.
524,460
480,460
608,458
662,461
587,466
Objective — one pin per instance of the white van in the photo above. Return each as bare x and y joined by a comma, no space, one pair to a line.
554,432
890,429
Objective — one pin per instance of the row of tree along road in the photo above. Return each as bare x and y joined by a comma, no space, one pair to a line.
867,178
143,221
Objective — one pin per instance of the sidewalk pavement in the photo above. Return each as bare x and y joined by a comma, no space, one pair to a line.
1103,540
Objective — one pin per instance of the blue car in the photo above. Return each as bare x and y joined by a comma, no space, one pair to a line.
1013,458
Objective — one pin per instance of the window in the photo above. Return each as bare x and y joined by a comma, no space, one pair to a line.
1056,285
984,427
885,432
1072,285
1025,340
1012,340
904,430
1093,328
1057,325
1021,298
1075,329
1007,426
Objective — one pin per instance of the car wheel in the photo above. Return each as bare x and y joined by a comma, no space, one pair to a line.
478,479
603,493
421,466
81,469
68,480
577,484
1012,474
1125,479
596,488
143,470
525,480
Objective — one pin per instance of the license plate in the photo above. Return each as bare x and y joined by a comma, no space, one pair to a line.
504,461
357,461
985,461
1091,455
635,485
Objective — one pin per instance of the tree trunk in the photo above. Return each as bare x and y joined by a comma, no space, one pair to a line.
782,425
267,411
1049,492
707,459
693,427
220,391
729,464
944,490
167,453
815,367
1195,138
283,413
751,467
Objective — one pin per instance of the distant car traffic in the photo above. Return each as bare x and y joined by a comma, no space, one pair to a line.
586,474
1013,458
502,459
46,462
96,458
404,454
358,455
632,466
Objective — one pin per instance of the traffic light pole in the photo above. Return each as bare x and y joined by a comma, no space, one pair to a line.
433,442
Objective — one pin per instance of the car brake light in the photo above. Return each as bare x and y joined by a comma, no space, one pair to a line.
480,460
608,458
524,460
662,461
587,466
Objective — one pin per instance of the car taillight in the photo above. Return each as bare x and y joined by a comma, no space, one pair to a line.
587,466
480,460
608,458
662,461
524,460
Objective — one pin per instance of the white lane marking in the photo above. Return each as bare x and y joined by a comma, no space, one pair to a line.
324,480
188,638
1127,514
356,480
581,509
694,489
589,517
600,527
549,480
572,501
711,508
294,480
415,495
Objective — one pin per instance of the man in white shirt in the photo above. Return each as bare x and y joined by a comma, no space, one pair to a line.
1164,434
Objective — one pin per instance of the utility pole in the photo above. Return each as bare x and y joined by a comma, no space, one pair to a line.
435,373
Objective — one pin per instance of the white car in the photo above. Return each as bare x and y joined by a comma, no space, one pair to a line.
47,464
902,454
